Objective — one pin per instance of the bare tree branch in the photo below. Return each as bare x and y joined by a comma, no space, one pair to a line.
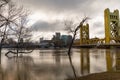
74,35
13,20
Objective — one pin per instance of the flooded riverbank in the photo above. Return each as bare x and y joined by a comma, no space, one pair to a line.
54,64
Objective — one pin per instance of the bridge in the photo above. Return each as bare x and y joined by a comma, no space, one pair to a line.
112,32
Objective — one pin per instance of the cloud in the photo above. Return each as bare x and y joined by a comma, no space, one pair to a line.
91,8
98,24
81,8
47,27
97,29
77,7
55,4
88,7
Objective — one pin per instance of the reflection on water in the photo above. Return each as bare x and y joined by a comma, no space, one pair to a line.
85,62
54,64
113,60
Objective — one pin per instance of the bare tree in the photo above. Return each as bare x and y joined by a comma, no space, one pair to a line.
69,26
13,18
21,32
9,14
3,3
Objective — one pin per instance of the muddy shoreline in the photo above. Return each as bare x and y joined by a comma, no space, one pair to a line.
100,76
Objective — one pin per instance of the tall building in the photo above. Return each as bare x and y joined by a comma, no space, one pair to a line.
56,40
66,39
61,40
41,39
57,35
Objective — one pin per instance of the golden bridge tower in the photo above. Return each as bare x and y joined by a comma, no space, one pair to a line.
111,20
84,34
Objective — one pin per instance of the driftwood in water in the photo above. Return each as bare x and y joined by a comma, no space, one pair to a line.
13,52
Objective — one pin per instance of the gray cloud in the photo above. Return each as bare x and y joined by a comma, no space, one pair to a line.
66,6
97,29
90,8
46,26
98,24
55,4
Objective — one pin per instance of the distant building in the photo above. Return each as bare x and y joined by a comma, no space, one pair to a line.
41,39
46,44
56,40
61,40
58,35
69,40
66,39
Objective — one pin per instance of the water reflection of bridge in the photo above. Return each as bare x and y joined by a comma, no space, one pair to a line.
112,32
112,58
49,63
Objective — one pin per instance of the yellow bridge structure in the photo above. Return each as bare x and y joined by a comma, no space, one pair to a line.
112,32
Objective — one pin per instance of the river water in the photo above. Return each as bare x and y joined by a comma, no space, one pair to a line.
54,64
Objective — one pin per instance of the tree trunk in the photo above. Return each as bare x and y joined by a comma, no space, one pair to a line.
69,55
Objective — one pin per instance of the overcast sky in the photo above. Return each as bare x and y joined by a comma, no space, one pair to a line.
47,15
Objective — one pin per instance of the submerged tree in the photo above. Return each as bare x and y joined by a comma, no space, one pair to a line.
22,31
8,16
13,20
3,20
69,26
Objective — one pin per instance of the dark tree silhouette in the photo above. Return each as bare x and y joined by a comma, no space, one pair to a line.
13,20
74,31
